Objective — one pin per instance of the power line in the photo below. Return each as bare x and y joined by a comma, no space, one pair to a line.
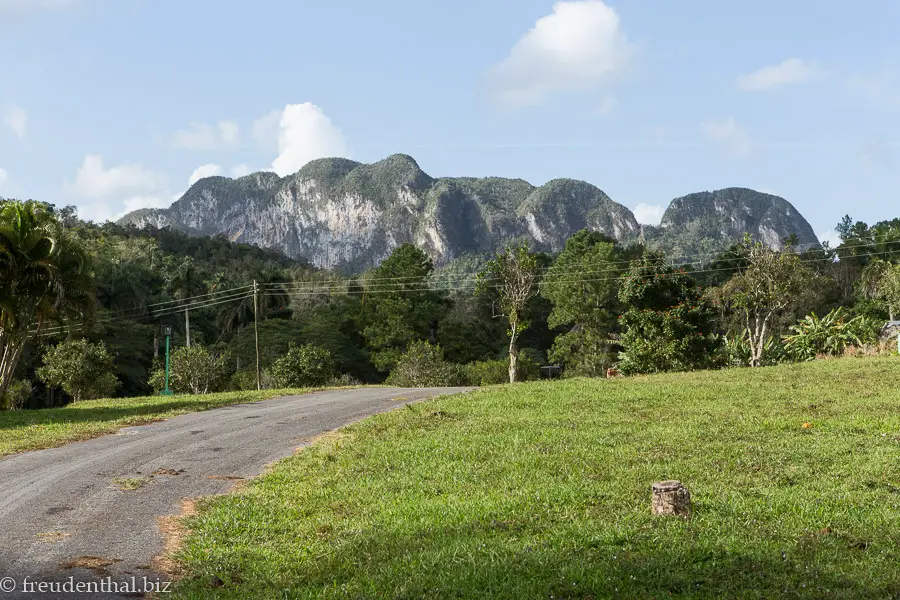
385,281
302,289
391,288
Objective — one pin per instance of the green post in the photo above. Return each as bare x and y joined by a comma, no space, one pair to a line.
167,391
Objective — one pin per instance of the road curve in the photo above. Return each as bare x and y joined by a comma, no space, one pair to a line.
62,516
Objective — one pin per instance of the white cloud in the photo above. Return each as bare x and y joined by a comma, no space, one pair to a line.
240,170
202,172
16,119
728,133
792,70
200,136
649,214
93,180
265,130
305,134
833,239
577,47
138,202
109,193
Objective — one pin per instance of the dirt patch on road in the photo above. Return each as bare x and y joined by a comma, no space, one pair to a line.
174,532
94,563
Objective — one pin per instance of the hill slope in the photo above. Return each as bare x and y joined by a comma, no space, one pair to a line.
346,215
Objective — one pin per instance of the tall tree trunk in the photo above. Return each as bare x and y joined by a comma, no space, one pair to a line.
513,359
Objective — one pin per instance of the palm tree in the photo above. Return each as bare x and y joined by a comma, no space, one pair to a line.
44,276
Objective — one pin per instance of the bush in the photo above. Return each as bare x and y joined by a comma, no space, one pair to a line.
245,381
304,366
736,352
192,370
17,394
346,380
488,372
423,365
829,335
82,369
496,372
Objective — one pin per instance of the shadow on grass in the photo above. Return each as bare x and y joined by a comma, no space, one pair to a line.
123,410
448,563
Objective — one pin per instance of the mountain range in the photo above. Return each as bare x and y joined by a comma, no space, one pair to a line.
348,216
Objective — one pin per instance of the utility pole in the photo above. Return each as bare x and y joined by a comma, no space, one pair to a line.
168,332
187,326
256,331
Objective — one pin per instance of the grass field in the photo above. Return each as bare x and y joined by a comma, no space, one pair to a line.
542,490
34,429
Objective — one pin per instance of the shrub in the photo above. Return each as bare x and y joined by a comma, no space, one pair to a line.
82,369
17,394
487,372
245,380
191,370
736,352
423,365
304,366
829,335
346,380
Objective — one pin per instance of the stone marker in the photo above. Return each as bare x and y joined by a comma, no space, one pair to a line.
671,498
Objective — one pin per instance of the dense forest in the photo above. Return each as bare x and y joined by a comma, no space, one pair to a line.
84,309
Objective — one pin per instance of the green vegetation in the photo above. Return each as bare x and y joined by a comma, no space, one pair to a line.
542,490
304,366
35,429
80,368
668,325
44,275
193,370
423,365
582,286
402,308
510,281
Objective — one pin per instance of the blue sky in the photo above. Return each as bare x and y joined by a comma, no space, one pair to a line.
115,104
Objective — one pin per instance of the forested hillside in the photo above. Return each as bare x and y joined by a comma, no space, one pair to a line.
85,308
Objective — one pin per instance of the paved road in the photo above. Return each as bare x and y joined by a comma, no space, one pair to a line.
62,515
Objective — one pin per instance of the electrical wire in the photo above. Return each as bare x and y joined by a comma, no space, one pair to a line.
303,289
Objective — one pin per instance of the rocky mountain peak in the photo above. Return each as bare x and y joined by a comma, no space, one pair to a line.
347,215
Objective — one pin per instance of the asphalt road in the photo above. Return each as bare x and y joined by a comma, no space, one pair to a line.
63,516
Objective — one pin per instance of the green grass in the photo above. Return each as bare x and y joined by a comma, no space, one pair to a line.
542,490
35,429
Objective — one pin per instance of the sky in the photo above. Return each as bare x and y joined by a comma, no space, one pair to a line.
114,105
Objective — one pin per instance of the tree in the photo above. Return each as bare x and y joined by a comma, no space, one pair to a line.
399,308
44,275
304,366
582,284
774,285
82,369
880,281
511,280
668,324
